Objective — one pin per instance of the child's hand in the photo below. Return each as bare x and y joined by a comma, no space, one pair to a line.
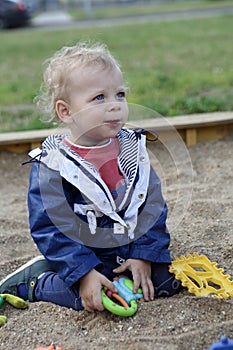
141,272
90,290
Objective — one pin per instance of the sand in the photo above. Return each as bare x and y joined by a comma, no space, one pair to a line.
203,224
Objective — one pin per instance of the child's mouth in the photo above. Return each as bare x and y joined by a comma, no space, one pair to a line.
113,123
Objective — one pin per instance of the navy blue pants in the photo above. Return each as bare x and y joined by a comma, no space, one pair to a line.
51,288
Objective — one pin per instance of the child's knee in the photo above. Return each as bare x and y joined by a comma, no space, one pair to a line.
164,282
168,288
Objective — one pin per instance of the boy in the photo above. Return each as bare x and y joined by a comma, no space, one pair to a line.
95,204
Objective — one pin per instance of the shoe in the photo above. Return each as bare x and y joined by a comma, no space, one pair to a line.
22,282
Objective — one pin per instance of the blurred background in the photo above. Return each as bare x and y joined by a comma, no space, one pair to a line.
176,55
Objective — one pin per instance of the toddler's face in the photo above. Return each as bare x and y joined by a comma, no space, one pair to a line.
97,105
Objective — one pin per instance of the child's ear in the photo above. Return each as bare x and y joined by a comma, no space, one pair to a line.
63,111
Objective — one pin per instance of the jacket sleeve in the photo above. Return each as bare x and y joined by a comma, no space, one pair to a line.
55,227
153,236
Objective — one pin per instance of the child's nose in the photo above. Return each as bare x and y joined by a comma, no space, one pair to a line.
114,106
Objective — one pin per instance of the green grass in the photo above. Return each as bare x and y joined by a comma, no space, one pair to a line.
178,67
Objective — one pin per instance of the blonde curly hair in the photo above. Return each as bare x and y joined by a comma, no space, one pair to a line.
60,66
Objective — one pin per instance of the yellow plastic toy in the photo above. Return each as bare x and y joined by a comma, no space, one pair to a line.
201,276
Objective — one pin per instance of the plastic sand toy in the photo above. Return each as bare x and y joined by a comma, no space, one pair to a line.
124,302
50,347
12,300
202,277
224,344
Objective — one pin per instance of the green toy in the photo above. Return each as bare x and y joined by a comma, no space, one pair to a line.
124,302
1,301
14,301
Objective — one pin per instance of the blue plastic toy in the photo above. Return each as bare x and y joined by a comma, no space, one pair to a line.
224,344
125,289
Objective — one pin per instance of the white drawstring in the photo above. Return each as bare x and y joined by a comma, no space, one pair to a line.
131,235
92,222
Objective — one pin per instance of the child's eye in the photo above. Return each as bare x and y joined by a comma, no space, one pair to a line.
121,94
99,97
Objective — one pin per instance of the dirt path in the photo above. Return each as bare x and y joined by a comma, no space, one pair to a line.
61,20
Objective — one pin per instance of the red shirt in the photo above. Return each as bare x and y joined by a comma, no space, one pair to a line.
104,158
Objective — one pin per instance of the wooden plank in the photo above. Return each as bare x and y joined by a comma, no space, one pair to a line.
201,120
191,136
212,132
192,129
16,148
24,136
185,121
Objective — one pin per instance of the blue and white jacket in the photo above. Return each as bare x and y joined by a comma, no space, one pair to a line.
73,217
